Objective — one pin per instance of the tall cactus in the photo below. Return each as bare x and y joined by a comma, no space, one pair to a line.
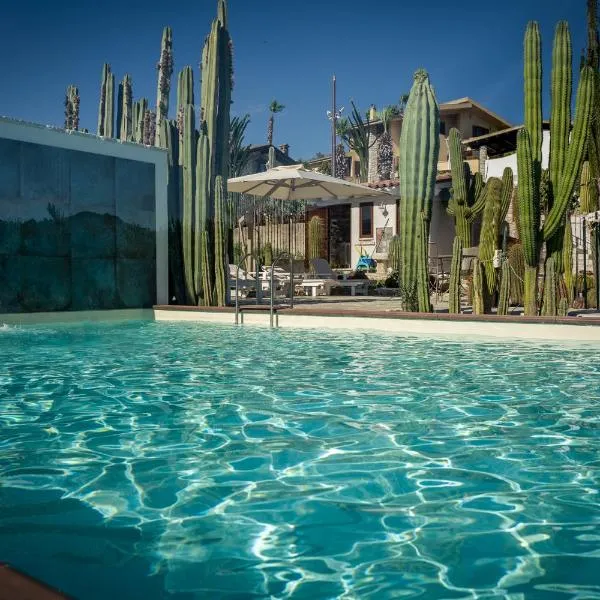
107,103
588,191
490,231
149,128
516,263
213,154
455,284
124,114
566,157
185,96
467,200
316,236
139,113
504,295
187,183
419,150
478,285
221,262
72,108
165,70
394,254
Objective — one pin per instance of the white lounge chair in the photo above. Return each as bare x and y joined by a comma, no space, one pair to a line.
324,278
241,284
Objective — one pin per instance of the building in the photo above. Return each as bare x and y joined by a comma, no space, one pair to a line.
83,221
364,228
259,157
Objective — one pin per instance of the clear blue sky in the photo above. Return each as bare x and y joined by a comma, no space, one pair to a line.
282,50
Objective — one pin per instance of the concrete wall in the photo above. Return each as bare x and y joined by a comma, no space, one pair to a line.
83,221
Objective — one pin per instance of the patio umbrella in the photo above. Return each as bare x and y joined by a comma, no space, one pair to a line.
294,182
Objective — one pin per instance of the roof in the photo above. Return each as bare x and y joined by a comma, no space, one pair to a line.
442,176
499,142
466,103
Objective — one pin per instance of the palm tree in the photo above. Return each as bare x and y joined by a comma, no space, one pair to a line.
354,131
275,108
385,152
239,154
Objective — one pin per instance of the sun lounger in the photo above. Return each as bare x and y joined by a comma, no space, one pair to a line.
323,279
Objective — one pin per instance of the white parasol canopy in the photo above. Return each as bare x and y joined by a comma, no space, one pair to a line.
294,182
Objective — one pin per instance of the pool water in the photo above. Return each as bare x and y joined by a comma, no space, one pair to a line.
181,461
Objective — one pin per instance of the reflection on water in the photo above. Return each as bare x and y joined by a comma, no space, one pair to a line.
150,460
77,230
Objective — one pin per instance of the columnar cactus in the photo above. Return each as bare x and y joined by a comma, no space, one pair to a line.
516,262
187,185
419,150
394,254
149,128
455,270
467,199
124,118
568,262
566,156
588,191
185,96
316,232
267,254
478,284
504,295
72,108
139,113
221,261
213,156
107,103
490,231
165,70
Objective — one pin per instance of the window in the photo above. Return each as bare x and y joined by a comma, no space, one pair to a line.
366,220
477,131
443,127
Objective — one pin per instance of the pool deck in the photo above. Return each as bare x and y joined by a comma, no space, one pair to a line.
15,585
384,314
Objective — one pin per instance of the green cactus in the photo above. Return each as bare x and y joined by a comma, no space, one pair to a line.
419,146
566,157
551,293
467,199
504,295
187,183
394,254
107,104
139,112
490,232
478,285
316,236
124,110
568,262
455,283
185,96
213,155
220,259
588,191
165,70
516,262
267,254
72,108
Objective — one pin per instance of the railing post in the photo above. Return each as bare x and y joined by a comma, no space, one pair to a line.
585,301
237,289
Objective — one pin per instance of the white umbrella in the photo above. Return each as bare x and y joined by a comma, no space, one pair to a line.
294,182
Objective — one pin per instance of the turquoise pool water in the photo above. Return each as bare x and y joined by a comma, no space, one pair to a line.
153,460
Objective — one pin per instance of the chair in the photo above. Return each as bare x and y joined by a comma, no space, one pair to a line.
323,278
242,284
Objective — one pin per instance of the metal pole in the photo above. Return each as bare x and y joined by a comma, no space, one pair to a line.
333,132
585,302
292,281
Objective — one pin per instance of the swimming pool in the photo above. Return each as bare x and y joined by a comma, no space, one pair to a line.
156,460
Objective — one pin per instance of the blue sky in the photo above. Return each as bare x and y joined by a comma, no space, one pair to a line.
286,51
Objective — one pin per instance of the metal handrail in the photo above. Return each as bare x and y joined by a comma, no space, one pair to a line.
237,278
273,264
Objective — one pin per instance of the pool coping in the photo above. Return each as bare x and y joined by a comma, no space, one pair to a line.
431,324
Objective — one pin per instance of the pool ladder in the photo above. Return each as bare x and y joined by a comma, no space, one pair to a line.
272,309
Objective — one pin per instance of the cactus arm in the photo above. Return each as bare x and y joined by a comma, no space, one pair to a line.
189,152
507,192
455,269
575,154
165,71
560,121
220,258
529,208
503,297
459,180
533,90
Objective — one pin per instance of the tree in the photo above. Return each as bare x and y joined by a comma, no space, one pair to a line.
354,130
239,154
275,108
